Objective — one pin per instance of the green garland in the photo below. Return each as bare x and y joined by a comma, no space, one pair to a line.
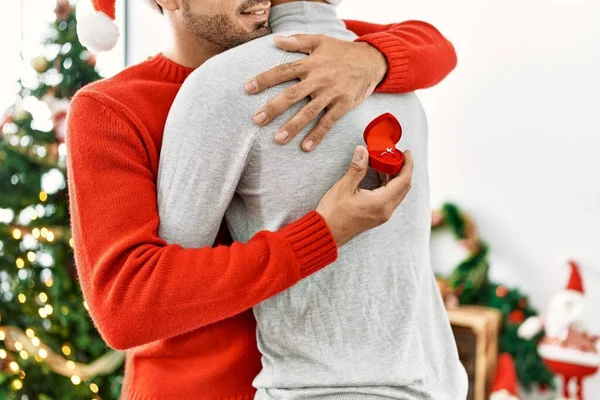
471,283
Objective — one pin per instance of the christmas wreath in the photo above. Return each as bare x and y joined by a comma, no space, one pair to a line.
471,284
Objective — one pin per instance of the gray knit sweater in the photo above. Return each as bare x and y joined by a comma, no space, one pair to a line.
370,326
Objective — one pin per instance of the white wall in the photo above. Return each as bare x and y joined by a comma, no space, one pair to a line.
147,32
514,132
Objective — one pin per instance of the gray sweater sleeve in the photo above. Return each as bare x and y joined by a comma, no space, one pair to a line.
208,137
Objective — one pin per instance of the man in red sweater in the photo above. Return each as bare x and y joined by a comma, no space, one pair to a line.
184,314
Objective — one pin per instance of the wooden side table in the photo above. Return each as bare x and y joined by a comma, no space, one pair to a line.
476,332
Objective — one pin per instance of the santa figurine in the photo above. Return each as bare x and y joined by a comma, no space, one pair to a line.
567,349
505,381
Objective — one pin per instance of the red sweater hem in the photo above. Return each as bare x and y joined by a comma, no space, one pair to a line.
130,395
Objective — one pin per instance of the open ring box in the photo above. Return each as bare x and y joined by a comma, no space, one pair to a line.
381,137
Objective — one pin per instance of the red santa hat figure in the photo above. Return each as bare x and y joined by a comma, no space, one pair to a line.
567,349
505,381
98,31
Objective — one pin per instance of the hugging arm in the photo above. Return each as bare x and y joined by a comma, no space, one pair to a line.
340,75
129,275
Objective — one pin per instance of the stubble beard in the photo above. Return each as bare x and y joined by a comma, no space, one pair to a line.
221,29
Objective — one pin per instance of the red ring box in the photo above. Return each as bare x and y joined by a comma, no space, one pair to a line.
381,137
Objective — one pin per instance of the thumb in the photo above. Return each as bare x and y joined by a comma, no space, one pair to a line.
358,169
298,43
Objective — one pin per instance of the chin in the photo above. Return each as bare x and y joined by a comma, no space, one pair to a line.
255,33
255,28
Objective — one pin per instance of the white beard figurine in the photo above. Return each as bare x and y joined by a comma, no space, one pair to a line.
566,349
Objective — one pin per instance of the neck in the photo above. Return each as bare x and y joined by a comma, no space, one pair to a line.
188,49
278,2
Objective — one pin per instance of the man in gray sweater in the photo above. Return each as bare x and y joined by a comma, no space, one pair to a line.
370,326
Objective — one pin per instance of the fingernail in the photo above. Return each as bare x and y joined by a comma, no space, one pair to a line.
309,145
288,38
358,156
260,118
252,86
282,136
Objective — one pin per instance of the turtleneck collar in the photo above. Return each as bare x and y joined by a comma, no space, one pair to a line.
170,70
305,16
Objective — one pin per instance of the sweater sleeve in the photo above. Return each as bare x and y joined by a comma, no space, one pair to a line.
138,288
418,55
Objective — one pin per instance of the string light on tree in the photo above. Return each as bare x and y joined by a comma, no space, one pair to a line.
43,297
17,384
66,350
17,234
43,353
13,367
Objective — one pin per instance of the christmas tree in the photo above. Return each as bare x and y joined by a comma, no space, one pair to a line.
49,348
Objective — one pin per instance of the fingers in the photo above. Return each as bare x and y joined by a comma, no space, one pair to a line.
399,186
283,102
301,120
285,72
357,170
299,43
275,76
327,121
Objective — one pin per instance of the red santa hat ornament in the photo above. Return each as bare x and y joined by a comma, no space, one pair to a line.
505,381
97,30
575,282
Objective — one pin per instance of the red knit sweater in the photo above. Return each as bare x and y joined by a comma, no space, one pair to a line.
185,314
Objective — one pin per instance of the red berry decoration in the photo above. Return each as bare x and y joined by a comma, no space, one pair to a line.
516,317
501,291
91,61
523,303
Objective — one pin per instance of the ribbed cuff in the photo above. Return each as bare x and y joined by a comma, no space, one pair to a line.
312,242
397,58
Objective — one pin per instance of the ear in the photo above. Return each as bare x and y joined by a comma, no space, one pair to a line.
169,5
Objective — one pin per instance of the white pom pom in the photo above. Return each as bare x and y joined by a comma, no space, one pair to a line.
97,31
531,327
503,395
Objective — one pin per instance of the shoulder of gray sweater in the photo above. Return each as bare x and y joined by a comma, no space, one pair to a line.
216,89
228,72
